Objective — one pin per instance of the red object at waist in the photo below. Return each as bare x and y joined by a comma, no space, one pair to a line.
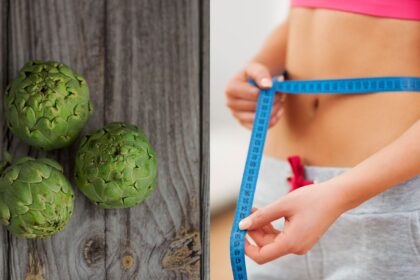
298,179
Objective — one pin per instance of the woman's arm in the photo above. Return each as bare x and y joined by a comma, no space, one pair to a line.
310,211
273,52
392,165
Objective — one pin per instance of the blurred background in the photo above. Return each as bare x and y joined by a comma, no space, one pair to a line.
238,28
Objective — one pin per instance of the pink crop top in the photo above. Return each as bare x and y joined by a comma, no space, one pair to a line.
399,9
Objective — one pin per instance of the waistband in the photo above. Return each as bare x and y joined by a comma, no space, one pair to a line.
404,197
406,9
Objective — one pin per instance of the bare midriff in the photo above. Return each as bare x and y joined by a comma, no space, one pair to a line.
343,130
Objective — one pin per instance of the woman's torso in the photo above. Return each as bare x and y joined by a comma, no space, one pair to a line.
334,130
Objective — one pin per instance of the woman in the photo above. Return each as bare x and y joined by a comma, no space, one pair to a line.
360,216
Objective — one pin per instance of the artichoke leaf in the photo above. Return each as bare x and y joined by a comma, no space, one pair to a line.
112,191
31,175
11,174
38,201
21,192
38,217
29,116
99,187
18,208
66,71
91,191
131,201
4,213
51,163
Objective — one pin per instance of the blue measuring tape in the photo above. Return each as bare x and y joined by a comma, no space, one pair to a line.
259,132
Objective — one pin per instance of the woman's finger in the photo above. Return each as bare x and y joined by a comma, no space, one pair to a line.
252,251
261,237
276,116
250,106
267,228
248,121
273,250
260,74
241,105
242,90
247,124
275,109
264,216
270,229
244,116
289,241
258,236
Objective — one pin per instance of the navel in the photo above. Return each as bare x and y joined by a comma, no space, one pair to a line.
315,103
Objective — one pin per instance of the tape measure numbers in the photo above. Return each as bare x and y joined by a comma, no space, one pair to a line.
259,132
249,180
349,86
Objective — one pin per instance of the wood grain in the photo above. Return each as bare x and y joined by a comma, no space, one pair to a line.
144,62
70,32
4,238
205,138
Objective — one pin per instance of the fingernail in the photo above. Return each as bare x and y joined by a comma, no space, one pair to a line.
244,224
265,82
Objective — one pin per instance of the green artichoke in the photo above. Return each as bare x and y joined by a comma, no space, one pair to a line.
116,167
47,105
36,200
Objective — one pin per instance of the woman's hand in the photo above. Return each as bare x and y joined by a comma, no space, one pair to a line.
242,97
308,212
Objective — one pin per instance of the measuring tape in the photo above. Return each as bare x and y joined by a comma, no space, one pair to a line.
259,132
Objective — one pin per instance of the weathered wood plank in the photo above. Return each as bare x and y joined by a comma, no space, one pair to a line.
4,238
153,77
205,137
145,64
71,32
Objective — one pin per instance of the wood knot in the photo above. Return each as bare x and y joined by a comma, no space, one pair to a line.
93,251
127,262
29,276
183,255
35,268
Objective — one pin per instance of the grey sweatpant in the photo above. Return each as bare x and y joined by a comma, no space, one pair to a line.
378,240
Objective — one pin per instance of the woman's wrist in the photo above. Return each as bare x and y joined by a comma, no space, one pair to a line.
341,194
393,164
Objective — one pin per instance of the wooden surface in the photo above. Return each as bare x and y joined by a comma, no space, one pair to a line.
205,138
146,63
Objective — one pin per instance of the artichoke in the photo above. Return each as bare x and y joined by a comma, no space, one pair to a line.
36,200
47,105
116,167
